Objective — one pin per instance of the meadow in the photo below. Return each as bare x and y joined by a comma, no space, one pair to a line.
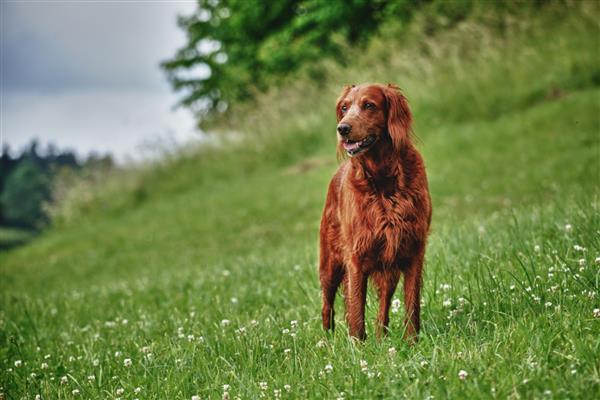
196,277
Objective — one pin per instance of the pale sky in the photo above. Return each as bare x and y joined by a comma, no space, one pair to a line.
85,75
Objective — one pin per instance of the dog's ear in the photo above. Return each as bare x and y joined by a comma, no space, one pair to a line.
338,104
399,117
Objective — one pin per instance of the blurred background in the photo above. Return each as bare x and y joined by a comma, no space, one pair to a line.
102,99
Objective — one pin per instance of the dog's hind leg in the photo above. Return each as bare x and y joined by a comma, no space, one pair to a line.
385,282
412,296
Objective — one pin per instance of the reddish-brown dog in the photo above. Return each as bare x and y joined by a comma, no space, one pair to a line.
378,210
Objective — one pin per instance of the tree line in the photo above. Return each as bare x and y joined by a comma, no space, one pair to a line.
26,181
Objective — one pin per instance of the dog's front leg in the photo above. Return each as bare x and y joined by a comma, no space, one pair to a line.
356,299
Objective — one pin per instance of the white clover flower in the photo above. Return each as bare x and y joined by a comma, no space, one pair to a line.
395,306
118,354
127,362
462,374
146,349
190,338
596,312
597,260
287,388
277,393
195,397
537,248
287,351
18,363
568,227
581,261
424,364
321,343
44,366
285,331
91,378
548,304
512,287
120,391
38,397
225,322
137,390
226,273
234,300
96,362
294,324
47,356
263,385
364,364
226,387
462,301
328,368
33,375
392,352
254,323
225,396
64,380
125,322
75,392
447,303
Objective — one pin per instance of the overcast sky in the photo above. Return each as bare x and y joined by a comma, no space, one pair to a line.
85,75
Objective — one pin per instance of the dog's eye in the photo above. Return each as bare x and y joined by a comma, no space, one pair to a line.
344,109
369,106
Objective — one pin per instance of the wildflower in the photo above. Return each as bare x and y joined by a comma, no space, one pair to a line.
321,343
195,397
263,385
277,393
137,390
287,352
536,248
548,304
285,331
125,322
568,227
118,354
254,323
226,273
95,363
33,375
75,392
395,306
226,387
582,261
462,374
364,365
18,363
145,349
190,338
424,364
91,378
447,303
38,397
328,368
596,312
294,324
392,351
225,322
287,388
597,260
64,380
462,301
127,362
120,391
234,300
578,248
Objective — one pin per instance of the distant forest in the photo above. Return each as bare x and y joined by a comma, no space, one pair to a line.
26,181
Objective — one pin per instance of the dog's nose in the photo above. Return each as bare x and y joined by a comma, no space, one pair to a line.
344,129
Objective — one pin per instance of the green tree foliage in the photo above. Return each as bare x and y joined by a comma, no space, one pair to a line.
236,46
26,189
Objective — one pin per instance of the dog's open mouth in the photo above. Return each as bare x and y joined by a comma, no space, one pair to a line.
353,147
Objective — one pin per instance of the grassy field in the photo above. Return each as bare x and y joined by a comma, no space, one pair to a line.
198,276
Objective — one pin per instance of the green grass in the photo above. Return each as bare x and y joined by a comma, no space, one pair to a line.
150,268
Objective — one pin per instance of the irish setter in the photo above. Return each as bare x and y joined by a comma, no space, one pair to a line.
378,210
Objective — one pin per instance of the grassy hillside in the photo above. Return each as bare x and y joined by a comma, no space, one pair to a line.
201,271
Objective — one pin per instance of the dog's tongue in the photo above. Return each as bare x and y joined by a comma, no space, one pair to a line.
351,146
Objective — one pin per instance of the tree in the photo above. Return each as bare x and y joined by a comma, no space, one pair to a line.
25,190
244,45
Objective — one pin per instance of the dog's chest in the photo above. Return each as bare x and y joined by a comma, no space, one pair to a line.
379,228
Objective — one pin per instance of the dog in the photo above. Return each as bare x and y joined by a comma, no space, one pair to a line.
377,212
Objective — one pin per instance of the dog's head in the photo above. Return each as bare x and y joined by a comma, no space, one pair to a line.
372,115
